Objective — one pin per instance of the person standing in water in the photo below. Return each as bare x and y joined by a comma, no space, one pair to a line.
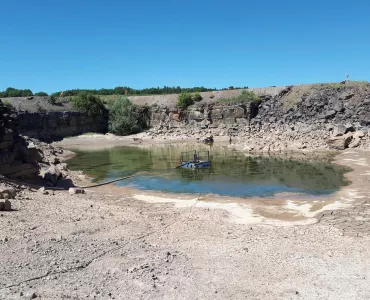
195,156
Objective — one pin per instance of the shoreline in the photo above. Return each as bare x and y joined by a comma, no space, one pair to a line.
285,209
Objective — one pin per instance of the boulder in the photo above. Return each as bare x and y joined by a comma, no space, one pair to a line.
20,151
365,121
342,129
355,143
338,106
359,134
208,140
340,142
52,176
7,192
7,205
34,155
330,114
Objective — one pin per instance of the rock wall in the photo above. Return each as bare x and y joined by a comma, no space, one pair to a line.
287,118
52,126
18,158
311,116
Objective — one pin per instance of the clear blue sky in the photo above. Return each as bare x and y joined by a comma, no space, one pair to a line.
57,45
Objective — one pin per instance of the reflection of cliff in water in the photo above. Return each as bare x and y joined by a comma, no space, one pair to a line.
227,166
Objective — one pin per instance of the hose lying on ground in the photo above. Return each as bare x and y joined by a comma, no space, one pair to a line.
36,186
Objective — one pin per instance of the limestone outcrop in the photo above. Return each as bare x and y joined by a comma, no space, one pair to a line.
318,116
51,126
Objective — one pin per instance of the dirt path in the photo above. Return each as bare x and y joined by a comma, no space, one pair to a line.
107,246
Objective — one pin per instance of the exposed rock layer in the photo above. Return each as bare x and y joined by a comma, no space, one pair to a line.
18,158
52,126
316,116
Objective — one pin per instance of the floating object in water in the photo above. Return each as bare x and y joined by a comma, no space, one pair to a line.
196,162
194,165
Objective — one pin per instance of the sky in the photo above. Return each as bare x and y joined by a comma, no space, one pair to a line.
58,45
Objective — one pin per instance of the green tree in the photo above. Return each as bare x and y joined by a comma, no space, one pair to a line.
41,94
89,104
125,118
12,92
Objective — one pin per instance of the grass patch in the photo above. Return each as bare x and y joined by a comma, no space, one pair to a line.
8,104
295,95
244,97
331,85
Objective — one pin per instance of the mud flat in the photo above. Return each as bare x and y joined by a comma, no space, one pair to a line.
120,243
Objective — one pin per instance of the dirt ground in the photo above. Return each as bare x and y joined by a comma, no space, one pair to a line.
115,243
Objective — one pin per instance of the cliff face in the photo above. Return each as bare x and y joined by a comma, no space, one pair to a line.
52,126
17,157
287,118
310,116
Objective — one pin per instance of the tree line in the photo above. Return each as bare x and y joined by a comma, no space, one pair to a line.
124,90
119,90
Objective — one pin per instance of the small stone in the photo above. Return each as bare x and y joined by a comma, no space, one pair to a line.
43,191
73,191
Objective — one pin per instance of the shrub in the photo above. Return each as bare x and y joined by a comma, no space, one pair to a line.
245,96
41,94
184,100
89,104
52,100
125,118
197,97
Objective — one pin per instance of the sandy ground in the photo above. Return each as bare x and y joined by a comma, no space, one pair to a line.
113,243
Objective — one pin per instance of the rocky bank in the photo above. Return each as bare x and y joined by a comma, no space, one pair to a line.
314,116
26,161
319,116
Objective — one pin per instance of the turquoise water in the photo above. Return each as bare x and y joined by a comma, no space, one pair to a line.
231,174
